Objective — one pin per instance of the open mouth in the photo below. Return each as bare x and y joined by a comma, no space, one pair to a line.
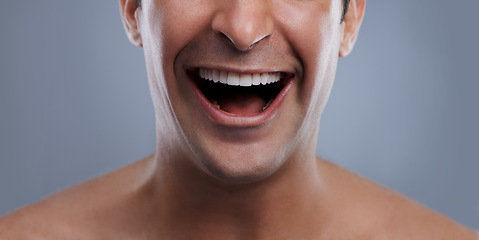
239,93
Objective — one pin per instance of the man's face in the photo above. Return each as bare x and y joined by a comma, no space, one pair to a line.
283,53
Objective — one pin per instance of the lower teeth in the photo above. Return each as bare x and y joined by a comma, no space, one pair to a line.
268,103
215,103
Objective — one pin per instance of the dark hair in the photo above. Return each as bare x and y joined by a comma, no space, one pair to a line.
345,7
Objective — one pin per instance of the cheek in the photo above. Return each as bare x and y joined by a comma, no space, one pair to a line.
168,26
173,24
315,37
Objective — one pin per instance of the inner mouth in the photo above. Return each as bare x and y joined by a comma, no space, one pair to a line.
239,93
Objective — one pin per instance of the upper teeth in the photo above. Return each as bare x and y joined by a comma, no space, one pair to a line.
239,79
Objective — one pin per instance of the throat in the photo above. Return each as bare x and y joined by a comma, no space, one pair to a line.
238,100
241,101
243,104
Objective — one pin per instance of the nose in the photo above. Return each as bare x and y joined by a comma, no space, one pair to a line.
243,22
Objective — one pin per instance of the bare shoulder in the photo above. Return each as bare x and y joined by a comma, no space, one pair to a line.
74,213
381,213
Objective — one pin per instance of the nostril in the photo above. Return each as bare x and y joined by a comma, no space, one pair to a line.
242,45
227,39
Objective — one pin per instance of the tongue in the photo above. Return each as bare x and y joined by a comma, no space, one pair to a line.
242,104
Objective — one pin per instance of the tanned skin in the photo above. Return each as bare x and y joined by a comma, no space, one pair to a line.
235,175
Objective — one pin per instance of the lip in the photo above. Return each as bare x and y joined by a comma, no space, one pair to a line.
221,117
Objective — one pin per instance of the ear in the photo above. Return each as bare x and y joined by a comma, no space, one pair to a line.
129,13
350,26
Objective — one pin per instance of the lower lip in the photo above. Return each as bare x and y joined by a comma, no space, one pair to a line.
221,117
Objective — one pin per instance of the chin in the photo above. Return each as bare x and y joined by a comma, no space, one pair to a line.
242,165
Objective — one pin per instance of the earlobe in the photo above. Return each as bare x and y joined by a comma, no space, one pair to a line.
130,14
350,26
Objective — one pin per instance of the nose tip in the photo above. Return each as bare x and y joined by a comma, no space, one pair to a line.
245,24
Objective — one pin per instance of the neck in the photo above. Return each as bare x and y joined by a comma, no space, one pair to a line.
193,205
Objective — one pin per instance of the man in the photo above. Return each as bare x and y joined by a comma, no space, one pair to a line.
238,88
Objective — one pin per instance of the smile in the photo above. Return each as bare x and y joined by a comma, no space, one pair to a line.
230,94
236,79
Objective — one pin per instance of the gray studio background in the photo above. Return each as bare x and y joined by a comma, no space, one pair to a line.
75,104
